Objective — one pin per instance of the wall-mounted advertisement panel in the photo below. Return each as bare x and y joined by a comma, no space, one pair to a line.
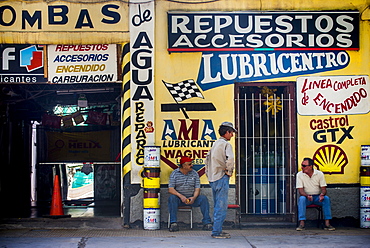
142,20
95,63
78,146
332,112
22,64
222,68
249,31
63,16
333,95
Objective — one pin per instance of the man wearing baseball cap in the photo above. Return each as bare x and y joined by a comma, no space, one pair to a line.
219,168
184,189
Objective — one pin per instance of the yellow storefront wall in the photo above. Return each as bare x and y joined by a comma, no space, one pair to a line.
350,156
85,25
175,67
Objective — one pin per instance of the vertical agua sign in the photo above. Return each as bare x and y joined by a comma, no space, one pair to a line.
142,81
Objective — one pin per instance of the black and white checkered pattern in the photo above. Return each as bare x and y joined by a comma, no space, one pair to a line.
184,90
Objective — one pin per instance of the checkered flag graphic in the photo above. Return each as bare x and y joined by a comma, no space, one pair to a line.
184,90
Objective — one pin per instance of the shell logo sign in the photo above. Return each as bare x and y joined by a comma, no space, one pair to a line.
330,159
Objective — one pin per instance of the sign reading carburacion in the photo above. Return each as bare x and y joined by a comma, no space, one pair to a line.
95,63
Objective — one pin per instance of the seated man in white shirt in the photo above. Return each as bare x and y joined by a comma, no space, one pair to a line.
311,185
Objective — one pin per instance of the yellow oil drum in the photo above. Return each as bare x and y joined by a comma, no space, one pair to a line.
152,182
152,198
365,175
151,172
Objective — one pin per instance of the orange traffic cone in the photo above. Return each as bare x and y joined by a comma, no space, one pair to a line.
56,210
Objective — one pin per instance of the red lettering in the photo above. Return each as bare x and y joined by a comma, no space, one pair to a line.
318,124
184,131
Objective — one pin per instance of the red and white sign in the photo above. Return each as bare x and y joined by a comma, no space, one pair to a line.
333,95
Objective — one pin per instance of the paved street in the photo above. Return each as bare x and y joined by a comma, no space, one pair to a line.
90,237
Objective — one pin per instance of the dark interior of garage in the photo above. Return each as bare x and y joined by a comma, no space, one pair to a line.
58,108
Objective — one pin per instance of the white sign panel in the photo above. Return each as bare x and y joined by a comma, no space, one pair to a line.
95,63
333,95
142,81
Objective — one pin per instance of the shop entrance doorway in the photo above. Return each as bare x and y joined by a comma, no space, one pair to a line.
266,145
87,189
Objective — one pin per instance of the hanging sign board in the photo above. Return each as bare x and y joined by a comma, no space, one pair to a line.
230,31
78,146
142,20
22,64
95,63
333,95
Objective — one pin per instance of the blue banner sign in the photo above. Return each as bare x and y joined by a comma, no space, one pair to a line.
222,68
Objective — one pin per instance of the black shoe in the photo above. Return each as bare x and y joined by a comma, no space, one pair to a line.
329,228
223,235
207,227
174,227
300,228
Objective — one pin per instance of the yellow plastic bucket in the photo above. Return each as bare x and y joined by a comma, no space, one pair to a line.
365,176
153,183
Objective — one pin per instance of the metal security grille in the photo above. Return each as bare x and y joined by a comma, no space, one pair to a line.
266,148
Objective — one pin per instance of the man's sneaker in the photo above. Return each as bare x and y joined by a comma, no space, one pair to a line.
329,228
207,227
174,227
300,228
223,235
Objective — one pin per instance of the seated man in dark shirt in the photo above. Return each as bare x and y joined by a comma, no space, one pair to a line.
184,189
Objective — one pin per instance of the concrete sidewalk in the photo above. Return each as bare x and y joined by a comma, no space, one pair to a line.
108,232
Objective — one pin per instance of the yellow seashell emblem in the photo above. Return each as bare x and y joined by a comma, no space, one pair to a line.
330,159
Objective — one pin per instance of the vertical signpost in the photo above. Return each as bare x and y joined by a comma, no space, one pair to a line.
142,81
142,108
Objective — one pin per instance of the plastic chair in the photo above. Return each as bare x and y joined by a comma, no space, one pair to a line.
184,209
237,209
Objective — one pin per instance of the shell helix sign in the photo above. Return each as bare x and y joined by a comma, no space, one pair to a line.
332,111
